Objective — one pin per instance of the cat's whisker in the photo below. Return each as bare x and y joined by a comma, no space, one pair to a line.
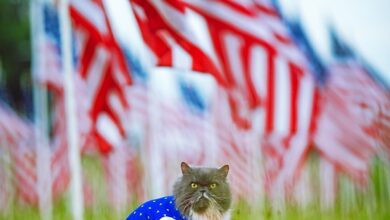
219,197
186,203
187,199
187,206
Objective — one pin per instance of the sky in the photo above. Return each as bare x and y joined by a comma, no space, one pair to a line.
364,24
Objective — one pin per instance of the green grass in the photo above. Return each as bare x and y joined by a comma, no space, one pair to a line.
371,204
240,211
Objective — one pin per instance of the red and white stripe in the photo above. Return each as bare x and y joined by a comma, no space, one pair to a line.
267,73
247,49
166,31
287,133
60,173
181,135
235,147
103,70
139,136
19,135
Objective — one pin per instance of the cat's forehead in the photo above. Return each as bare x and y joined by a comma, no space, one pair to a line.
205,174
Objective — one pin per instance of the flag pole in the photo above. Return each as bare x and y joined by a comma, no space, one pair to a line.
43,155
70,111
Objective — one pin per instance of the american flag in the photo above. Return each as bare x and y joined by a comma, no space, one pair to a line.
48,58
123,171
19,136
166,32
271,95
138,96
103,72
352,125
105,78
352,105
269,74
47,61
180,129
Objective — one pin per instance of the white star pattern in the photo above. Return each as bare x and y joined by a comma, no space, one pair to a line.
158,209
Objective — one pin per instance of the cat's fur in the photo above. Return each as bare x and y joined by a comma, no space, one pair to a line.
203,202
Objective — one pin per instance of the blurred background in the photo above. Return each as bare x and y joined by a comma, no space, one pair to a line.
101,100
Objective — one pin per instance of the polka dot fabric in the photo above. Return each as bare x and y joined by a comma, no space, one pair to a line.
159,209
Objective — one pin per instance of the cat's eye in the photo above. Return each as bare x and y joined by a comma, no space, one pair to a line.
194,185
213,185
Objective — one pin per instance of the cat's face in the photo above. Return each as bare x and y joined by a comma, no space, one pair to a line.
200,190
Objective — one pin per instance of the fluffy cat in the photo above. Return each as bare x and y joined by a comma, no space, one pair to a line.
199,194
203,193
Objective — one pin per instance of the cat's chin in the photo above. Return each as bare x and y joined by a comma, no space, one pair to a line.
201,204
209,214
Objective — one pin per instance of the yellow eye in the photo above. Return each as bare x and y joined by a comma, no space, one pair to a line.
194,185
213,185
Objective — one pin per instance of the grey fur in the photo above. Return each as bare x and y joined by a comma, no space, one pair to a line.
189,200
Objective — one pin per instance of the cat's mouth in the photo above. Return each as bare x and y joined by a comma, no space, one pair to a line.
202,202
201,205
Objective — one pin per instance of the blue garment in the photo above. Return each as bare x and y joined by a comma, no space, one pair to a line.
157,209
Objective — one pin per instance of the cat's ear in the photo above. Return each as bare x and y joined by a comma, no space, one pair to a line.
224,170
185,169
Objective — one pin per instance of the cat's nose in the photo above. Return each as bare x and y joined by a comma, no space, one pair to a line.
202,190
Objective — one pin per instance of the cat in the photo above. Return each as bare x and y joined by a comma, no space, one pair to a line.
199,194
